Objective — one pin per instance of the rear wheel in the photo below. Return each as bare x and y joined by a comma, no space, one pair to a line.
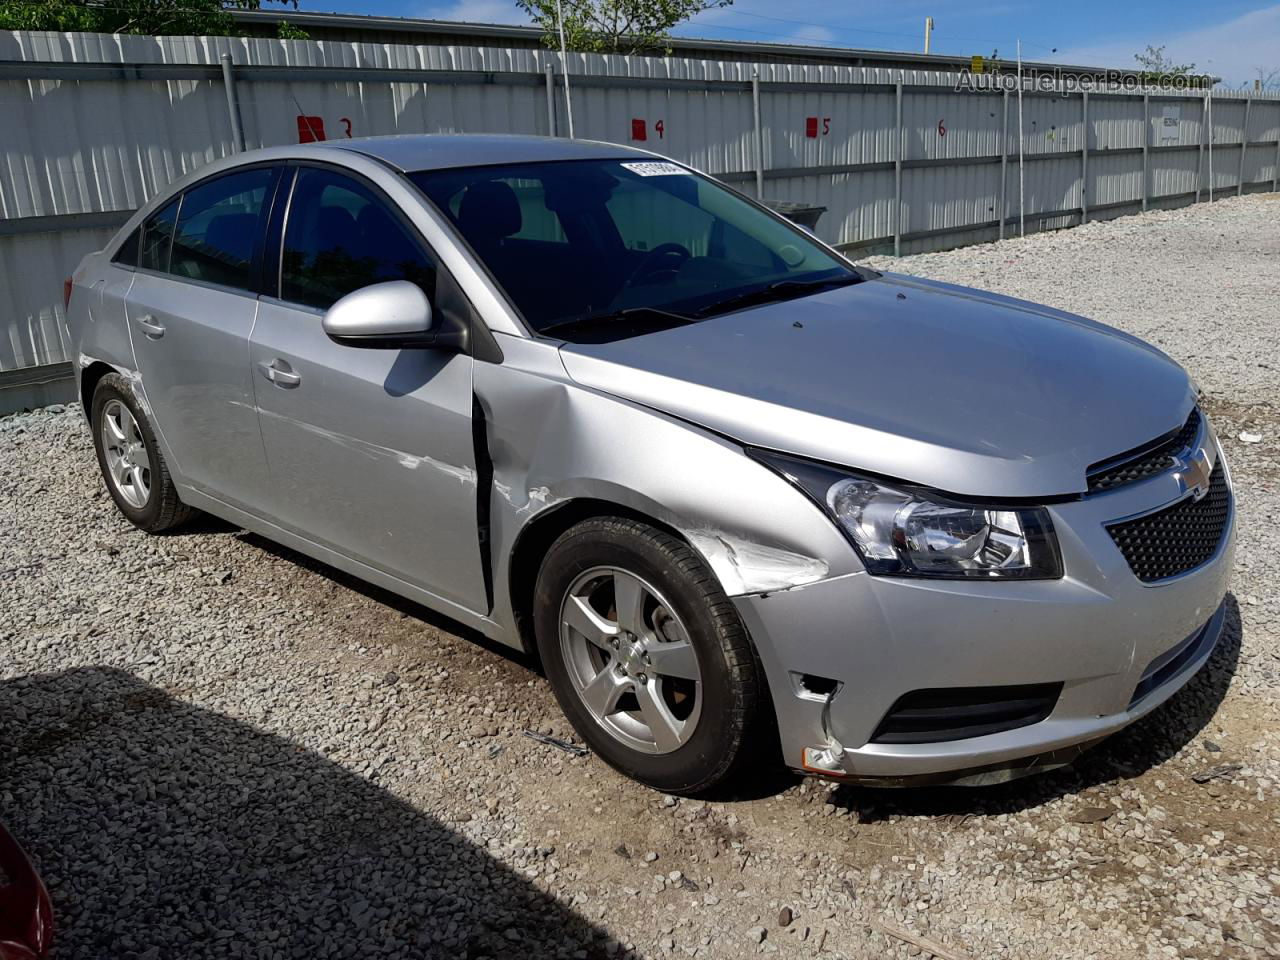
647,657
135,472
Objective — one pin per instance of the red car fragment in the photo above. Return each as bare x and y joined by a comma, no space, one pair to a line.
26,915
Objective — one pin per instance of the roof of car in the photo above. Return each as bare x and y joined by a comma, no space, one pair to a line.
415,152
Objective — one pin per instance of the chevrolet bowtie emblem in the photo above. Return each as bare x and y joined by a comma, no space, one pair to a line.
1193,473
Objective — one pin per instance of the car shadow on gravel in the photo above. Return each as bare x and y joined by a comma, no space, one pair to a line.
166,830
1146,744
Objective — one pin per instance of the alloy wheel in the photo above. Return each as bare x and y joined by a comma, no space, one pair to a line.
630,660
128,463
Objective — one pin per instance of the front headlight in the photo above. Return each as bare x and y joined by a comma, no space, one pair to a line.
907,532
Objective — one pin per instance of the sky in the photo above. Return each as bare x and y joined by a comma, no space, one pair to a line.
1228,38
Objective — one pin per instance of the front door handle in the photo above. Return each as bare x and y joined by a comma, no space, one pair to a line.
151,326
278,372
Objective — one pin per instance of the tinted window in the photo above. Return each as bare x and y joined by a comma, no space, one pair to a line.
340,237
218,227
157,237
127,255
577,243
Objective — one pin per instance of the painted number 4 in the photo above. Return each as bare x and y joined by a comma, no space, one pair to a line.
639,130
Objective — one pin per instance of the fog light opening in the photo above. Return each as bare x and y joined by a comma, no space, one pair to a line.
813,687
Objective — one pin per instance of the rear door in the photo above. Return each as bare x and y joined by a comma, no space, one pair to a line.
370,450
191,309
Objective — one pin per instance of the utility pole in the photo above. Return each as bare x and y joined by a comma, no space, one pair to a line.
1022,183
564,67
928,32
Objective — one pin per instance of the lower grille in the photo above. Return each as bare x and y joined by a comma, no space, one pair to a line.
956,713
1179,538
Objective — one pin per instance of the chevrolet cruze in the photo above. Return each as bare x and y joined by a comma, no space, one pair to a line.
745,500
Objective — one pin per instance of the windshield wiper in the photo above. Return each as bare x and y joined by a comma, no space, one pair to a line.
779,290
655,315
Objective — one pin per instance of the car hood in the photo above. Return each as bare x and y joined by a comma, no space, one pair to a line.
968,392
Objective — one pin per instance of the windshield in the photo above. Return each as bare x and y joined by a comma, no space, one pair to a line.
598,249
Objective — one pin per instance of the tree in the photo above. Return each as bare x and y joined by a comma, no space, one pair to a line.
150,17
1155,63
1265,79
615,26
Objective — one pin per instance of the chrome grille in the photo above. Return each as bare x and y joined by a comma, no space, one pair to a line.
1146,461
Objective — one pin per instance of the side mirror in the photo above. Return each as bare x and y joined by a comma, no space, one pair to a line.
392,314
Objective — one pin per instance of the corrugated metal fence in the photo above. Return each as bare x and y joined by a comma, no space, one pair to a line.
95,124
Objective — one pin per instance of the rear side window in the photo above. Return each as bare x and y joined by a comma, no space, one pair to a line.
341,236
157,237
127,255
219,226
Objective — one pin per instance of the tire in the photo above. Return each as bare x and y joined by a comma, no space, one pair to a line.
132,466
594,563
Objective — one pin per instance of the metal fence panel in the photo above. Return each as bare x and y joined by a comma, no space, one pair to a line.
33,330
1051,124
102,122
952,125
1115,123
88,146
952,196
859,204
1260,164
1174,173
1114,179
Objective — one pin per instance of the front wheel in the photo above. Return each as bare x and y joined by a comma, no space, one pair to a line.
647,657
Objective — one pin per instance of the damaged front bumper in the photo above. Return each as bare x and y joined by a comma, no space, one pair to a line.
860,666
26,914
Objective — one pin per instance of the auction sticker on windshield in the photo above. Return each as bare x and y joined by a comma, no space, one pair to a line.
655,168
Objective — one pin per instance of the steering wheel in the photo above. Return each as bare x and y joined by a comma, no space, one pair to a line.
653,262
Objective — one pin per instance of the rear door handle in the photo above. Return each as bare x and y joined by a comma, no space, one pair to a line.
278,372
151,327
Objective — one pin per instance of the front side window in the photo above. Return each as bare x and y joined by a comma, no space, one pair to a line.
218,227
339,237
596,249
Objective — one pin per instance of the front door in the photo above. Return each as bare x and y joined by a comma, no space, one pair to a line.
190,312
370,450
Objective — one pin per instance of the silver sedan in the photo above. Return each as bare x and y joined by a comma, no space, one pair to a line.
747,502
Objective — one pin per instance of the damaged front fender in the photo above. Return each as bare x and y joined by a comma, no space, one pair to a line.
552,441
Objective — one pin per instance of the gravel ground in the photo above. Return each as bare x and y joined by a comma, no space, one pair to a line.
215,748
